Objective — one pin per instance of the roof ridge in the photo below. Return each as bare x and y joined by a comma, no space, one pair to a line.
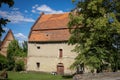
58,13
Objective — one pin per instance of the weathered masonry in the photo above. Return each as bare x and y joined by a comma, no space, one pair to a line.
4,44
48,50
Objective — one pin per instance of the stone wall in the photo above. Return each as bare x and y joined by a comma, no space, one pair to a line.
45,57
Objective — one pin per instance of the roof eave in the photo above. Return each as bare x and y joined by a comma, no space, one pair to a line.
48,41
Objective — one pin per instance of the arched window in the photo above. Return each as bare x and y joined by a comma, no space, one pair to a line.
60,53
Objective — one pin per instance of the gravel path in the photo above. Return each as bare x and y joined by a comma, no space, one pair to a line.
99,76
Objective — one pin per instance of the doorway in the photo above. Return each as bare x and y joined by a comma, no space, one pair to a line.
60,68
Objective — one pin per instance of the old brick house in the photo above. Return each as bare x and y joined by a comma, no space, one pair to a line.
4,44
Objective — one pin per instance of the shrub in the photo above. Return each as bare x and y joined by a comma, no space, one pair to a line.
3,62
19,65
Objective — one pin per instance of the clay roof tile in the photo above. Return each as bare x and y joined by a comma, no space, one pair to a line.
50,27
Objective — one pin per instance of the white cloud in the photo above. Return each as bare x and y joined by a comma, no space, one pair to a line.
3,13
26,11
33,11
6,29
20,36
15,9
20,42
35,6
15,16
46,9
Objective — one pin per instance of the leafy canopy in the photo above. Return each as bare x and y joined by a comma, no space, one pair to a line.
3,62
14,52
93,26
3,21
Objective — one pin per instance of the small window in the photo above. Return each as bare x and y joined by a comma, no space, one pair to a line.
38,47
60,53
38,64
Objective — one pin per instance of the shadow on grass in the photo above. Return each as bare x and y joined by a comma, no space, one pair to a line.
67,76
5,79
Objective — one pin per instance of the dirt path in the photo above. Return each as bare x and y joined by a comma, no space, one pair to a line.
99,76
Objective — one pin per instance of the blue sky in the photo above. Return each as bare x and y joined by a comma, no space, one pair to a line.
25,12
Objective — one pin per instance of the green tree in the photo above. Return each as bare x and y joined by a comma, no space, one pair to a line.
3,21
19,65
3,62
25,47
93,26
14,51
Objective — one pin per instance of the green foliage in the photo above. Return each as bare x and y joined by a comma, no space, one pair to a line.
93,28
14,51
9,2
25,47
3,62
19,65
3,21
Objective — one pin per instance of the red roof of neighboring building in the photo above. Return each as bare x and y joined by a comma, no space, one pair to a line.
50,27
5,43
9,37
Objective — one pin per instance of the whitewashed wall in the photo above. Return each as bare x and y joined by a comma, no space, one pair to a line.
48,56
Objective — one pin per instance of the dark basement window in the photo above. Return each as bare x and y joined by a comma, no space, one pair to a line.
38,64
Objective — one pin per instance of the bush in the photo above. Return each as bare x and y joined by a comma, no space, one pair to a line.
19,65
3,62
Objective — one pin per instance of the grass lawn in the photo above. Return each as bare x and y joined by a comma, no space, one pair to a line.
35,76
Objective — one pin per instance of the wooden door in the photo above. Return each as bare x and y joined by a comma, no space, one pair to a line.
60,68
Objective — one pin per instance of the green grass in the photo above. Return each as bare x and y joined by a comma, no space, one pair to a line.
35,76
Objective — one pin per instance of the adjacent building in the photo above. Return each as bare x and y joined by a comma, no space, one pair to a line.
5,43
48,50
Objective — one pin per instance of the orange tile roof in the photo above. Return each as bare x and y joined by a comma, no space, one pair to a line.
5,43
50,27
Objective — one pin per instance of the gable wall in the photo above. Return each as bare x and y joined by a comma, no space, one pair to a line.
48,56
4,48
5,44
